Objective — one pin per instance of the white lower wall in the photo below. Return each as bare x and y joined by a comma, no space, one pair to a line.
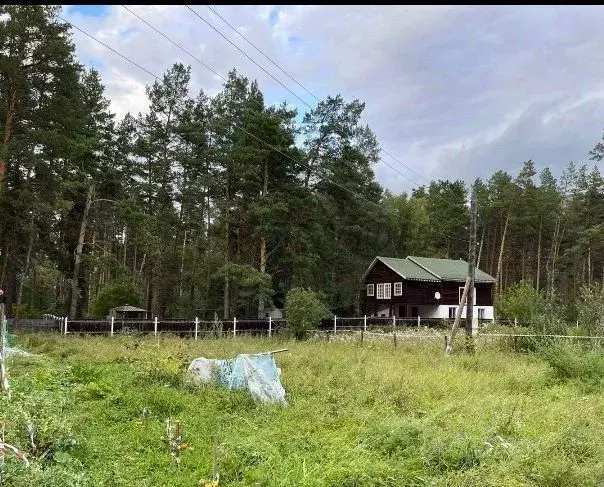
442,311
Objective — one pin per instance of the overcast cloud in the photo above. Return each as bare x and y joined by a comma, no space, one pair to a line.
452,92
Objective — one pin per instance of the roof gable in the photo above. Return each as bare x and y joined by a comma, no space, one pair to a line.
430,269
405,268
450,269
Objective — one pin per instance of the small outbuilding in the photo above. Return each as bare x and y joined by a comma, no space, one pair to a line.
128,312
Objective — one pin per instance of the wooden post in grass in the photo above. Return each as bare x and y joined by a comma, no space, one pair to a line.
365,323
155,327
270,326
449,348
112,325
234,327
65,328
196,327
394,329
335,324
418,321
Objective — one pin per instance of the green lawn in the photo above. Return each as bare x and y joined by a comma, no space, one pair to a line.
357,416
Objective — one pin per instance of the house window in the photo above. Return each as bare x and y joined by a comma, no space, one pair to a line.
481,313
387,290
369,289
398,288
380,291
452,311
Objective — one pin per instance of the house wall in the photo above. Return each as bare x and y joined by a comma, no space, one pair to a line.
442,312
419,294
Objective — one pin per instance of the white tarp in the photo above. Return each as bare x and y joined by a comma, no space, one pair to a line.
258,374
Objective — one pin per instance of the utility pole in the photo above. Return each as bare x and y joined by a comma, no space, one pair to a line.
471,273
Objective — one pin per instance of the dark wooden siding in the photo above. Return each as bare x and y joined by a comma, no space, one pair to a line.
417,292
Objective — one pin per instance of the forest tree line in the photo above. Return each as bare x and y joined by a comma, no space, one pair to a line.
220,204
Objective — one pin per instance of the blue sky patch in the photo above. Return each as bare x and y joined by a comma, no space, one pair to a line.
294,41
90,10
273,17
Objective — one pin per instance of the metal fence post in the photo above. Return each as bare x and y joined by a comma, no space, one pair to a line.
270,326
155,327
335,324
112,320
234,327
365,323
196,327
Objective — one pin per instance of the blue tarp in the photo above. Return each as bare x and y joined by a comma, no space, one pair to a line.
256,373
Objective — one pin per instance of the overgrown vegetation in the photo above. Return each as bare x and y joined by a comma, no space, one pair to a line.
357,416
304,309
520,301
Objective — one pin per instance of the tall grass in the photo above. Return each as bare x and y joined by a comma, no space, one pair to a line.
368,415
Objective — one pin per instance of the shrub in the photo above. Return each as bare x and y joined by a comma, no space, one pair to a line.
520,301
112,295
590,308
304,309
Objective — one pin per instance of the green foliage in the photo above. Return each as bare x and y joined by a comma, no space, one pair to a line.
520,301
357,416
304,309
112,295
590,307
571,362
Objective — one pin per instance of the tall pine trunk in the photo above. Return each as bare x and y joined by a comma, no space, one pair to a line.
27,261
77,258
263,245
227,287
8,127
498,276
480,249
538,279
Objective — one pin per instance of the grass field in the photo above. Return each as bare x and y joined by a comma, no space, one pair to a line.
357,416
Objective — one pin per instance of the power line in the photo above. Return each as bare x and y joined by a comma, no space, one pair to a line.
176,44
247,56
310,92
381,207
313,95
259,104
261,52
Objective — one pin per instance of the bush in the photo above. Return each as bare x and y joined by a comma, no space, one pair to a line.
590,307
520,301
112,295
303,310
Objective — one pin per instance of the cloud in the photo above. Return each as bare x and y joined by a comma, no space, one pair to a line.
453,92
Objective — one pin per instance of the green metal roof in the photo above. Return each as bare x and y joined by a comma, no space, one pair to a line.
429,269
449,269
408,269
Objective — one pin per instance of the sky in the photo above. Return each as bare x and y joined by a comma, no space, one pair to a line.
451,92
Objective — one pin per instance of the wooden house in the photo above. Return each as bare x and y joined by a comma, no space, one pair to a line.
422,286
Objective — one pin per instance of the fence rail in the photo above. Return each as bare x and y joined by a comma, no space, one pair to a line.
196,328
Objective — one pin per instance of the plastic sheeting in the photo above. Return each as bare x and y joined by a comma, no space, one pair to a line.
258,374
